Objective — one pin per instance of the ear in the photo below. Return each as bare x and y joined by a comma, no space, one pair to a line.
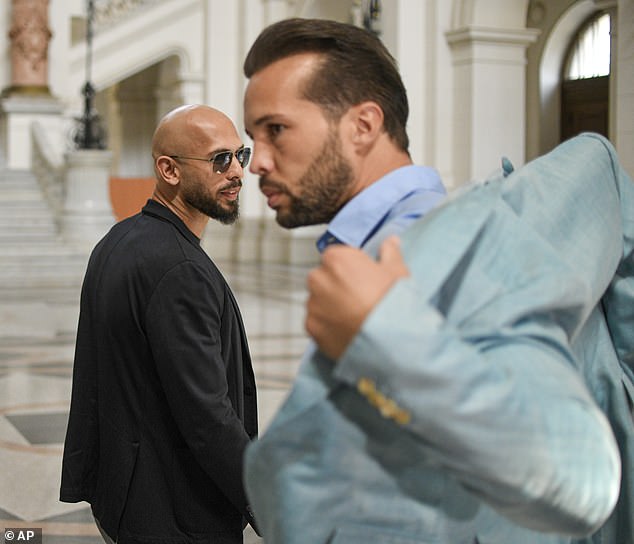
367,123
167,170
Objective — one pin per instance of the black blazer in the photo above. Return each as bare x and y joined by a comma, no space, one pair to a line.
163,399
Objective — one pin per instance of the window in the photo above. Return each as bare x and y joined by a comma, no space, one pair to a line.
590,54
585,89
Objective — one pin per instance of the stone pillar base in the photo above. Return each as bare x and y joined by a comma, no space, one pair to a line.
257,240
87,214
289,246
219,241
18,112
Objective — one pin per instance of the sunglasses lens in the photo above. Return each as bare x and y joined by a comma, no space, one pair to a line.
243,155
222,162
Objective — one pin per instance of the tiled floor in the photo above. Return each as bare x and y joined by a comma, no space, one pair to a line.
35,382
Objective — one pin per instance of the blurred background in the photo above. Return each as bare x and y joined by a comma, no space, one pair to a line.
83,84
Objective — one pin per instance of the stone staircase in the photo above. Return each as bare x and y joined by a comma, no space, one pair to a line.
40,274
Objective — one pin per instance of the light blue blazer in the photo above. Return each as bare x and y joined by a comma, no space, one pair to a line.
481,400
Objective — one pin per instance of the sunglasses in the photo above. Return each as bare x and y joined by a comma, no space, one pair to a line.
221,161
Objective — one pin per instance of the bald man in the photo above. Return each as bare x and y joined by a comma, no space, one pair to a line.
163,400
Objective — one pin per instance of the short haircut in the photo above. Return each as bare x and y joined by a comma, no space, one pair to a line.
356,66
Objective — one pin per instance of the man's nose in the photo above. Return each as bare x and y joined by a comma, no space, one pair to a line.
262,160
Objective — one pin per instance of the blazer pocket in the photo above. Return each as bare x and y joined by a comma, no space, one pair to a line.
363,534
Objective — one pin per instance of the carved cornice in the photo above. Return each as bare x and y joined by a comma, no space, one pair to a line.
108,12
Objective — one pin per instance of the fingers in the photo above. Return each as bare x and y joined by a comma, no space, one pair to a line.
335,309
390,255
345,288
340,256
390,250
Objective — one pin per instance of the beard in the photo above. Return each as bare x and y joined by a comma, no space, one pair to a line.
320,188
199,197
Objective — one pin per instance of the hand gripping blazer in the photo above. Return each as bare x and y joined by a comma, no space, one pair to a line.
163,401
481,399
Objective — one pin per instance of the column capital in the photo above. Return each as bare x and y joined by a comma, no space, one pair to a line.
490,45
606,4
489,35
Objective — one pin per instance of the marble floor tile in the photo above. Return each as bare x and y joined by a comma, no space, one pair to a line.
35,386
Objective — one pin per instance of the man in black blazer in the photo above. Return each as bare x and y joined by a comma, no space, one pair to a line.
163,399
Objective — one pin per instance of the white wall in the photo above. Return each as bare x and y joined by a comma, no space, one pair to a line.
464,63
624,114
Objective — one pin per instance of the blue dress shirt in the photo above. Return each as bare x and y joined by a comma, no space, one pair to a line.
387,206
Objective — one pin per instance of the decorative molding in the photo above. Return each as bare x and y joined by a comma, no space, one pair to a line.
109,12
606,4
490,45
520,36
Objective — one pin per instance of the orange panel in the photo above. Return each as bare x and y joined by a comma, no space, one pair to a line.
129,195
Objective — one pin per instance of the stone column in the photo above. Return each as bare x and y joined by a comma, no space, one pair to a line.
29,37
275,10
490,84
28,99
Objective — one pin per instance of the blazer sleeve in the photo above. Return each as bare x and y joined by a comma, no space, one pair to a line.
471,355
507,415
183,323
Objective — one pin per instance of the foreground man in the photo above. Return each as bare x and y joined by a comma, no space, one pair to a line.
163,402
327,111
460,396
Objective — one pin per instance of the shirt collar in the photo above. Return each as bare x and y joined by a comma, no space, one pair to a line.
358,218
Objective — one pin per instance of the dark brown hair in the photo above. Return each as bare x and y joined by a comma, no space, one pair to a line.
355,67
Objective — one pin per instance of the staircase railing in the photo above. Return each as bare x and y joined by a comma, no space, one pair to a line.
49,169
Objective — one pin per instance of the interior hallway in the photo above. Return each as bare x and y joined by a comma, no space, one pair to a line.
35,385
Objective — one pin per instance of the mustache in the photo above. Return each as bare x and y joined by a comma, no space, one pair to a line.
231,185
